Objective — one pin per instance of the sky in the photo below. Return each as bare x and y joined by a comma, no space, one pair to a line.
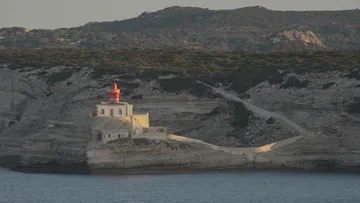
51,14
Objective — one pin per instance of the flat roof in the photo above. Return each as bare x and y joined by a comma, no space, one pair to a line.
108,103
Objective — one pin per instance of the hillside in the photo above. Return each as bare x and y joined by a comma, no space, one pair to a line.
47,98
197,28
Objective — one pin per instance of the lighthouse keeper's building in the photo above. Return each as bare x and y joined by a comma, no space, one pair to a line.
115,120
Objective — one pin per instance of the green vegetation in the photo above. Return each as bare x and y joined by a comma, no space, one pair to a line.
141,142
241,115
277,79
251,28
354,73
239,70
328,85
354,107
270,121
59,76
177,85
293,82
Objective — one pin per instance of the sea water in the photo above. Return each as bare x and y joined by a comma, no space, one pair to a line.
198,188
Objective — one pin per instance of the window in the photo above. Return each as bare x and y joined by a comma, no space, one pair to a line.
109,135
119,136
112,112
102,111
120,111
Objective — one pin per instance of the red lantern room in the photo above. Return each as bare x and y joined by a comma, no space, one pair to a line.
115,94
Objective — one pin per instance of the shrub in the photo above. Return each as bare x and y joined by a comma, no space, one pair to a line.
42,73
354,74
141,142
179,84
59,76
139,96
11,123
245,96
270,121
277,79
293,82
241,115
354,107
241,69
328,85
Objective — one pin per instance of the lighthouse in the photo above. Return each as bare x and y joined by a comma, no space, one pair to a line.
114,94
115,119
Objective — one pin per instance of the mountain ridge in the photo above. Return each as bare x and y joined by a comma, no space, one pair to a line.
241,29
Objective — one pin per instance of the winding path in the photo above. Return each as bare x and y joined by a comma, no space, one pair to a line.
259,111
252,153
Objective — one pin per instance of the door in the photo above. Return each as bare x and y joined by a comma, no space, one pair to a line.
112,112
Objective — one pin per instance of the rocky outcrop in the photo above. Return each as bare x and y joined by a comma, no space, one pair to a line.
294,40
293,35
150,154
45,123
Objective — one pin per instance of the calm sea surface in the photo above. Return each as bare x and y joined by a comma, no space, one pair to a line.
198,188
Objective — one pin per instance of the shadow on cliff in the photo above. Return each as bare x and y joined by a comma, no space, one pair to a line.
330,165
9,161
53,166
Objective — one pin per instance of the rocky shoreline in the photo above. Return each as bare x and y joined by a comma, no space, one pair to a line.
80,168
52,123
85,169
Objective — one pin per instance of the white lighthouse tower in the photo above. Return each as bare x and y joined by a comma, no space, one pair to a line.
115,119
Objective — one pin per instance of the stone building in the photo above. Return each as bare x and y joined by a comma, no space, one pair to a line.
116,120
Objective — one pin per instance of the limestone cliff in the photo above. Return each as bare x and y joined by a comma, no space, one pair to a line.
46,120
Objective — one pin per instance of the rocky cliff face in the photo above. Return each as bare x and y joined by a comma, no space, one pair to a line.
45,118
327,108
